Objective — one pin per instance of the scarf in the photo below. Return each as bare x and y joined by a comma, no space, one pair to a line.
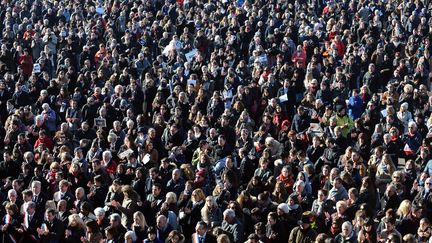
26,220
8,221
293,207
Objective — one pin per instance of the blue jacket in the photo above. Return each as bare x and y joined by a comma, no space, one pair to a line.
51,121
355,104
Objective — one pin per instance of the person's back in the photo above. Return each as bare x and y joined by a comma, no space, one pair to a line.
302,236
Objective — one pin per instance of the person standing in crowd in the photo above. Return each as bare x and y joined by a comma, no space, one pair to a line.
303,232
294,121
232,226
52,229
201,234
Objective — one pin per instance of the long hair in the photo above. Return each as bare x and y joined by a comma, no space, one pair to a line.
75,218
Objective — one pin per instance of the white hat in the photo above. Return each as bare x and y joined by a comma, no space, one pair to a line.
283,207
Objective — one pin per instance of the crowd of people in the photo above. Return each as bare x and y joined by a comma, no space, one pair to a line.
190,121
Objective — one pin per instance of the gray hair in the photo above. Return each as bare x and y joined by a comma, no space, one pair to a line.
107,153
80,189
387,136
348,224
176,171
173,195
99,211
300,183
36,183
115,216
131,234
211,198
28,153
12,192
230,213
412,123
31,204
39,118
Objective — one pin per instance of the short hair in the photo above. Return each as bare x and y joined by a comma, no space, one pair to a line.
27,192
64,183
28,153
115,217
176,171
273,215
131,234
158,185
12,191
300,183
86,206
99,211
107,153
31,204
39,118
173,195
230,213
99,178
347,223
51,211
201,224
154,169
96,161
80,189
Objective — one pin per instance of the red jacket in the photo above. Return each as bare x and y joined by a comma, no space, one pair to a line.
111,167
340,48
47,141
26,63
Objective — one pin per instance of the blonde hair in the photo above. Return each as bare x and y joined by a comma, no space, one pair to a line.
72,166
172,195
198,195
143,222
342,204
223,238
50,204
408,88
404,208
55,165
76,218
129,192
391,169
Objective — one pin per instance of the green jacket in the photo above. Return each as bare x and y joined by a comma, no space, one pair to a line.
299,236
345,120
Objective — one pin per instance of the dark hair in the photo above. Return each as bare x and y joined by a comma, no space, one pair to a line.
151,230
92,225
51,211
